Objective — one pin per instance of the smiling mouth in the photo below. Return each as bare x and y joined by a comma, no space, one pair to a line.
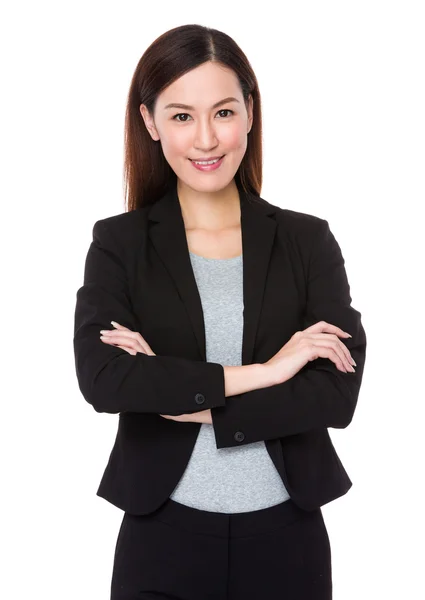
207,162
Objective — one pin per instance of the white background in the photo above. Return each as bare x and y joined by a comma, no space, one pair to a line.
342,86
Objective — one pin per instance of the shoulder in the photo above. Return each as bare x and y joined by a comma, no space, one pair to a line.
306,236
303,226
123,228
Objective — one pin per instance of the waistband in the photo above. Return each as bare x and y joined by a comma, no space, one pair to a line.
230,524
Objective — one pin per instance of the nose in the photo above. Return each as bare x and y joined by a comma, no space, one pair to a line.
205,136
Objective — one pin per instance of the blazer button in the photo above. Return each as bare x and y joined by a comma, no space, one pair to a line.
199,398
239,436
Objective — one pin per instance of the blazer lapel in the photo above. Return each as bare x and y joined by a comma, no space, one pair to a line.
168,235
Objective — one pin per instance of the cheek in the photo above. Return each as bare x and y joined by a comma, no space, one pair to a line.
174,145
174,142
235,139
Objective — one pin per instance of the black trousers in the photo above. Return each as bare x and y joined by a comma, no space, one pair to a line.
182,553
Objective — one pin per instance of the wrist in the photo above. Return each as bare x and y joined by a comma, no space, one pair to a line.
268,375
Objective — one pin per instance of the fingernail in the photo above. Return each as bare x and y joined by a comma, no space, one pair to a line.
346,333
104,331
114,323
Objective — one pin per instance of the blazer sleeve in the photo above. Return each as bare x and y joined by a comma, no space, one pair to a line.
319,395
111,379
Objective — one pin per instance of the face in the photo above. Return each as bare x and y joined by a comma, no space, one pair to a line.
211,120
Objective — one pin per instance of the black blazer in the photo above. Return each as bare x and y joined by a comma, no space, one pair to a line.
138,273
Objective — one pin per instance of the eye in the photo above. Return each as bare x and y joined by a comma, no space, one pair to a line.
226,110
179,115
187,115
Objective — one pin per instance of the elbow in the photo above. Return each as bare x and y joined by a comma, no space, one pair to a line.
350,385
102,384
100,397
346,404
102,405
104,398
343,420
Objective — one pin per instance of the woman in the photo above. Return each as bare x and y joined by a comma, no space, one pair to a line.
233,346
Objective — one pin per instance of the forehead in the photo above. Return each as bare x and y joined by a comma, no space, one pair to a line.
202,87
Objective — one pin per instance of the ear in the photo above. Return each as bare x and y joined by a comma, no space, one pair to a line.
250,111
149,122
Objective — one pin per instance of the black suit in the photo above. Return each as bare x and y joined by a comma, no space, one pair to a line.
138,273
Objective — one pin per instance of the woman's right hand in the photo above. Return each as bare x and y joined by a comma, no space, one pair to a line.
318,340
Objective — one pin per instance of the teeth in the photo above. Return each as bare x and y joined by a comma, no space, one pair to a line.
206,162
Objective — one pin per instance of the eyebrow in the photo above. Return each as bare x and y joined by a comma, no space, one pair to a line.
224,101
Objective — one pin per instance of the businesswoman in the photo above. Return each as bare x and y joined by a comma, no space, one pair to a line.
219,327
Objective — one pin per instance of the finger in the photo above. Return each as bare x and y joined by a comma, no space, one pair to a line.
324,326
123,331
134,335
184,417
331,354
129,350
335,348
144,343
327,337
326,352
119,326
108,340
125,338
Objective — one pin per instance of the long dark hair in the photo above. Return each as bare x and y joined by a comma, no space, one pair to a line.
147,174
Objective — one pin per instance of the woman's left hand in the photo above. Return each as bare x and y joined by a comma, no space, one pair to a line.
126,339
133,342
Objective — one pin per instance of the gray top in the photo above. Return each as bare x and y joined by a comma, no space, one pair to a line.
237,479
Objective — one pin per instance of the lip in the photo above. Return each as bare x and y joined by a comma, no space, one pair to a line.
209,158
208,167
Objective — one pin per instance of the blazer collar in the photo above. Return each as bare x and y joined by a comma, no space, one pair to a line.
168,236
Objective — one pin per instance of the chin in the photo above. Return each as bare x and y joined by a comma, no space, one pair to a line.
206,186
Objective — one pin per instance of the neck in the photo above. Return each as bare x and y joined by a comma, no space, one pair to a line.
209,210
